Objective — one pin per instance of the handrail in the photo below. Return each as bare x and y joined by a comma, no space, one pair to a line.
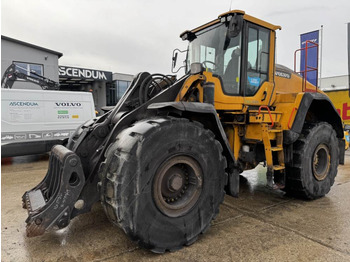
290,117
307,67
268,109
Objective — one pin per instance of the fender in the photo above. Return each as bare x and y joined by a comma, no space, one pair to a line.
318,107
315,105
203,113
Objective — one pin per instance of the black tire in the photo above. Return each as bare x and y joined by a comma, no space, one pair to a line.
133,193
315,162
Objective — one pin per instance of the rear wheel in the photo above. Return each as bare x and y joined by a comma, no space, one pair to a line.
163,181
315,162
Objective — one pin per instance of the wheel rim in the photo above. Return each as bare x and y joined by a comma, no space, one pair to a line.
177,185
321,162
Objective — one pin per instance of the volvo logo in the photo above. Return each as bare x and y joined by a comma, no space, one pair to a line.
68,104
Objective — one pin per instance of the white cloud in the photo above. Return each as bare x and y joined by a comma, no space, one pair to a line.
132,36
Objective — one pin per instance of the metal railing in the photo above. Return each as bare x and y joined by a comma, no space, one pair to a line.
308,45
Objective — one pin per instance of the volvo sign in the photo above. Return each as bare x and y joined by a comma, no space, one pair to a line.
82,73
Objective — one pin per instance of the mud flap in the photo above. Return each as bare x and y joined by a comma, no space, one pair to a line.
232,187
51,203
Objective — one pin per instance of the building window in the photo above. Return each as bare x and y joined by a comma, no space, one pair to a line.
116,91
28,69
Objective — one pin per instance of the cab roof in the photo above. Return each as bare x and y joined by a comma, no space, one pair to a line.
245,17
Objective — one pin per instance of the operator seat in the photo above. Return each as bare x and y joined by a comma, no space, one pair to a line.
231,76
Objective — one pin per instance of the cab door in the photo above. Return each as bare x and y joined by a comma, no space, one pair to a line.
257,65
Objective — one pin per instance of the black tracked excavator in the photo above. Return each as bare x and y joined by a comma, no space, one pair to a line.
14,73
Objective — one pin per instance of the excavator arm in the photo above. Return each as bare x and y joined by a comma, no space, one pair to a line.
12,74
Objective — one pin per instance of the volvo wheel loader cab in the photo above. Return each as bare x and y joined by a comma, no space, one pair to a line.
161,160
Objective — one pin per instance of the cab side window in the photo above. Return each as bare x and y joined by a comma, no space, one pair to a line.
258,59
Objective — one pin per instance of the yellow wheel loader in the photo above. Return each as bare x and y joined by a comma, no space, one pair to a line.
162,159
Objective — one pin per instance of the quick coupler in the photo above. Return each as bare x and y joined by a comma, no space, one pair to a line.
51,203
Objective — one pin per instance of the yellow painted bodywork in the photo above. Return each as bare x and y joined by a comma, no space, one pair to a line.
280,95
285,97
283,94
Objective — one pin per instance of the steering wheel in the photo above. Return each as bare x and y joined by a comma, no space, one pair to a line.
210,62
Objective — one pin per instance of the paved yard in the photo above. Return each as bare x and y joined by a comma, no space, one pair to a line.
260,225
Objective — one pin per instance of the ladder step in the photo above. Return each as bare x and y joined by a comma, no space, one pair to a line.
274,149
266,112
274,130
278,167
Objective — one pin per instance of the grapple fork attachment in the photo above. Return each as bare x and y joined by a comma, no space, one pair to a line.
51,203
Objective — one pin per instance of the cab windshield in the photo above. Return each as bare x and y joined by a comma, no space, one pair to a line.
218,54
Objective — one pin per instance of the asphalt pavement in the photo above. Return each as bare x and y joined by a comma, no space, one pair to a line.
261,225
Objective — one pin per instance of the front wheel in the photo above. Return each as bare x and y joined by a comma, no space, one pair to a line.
163,181
315,162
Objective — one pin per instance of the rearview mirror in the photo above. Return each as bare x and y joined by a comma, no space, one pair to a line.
235,25
174,60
